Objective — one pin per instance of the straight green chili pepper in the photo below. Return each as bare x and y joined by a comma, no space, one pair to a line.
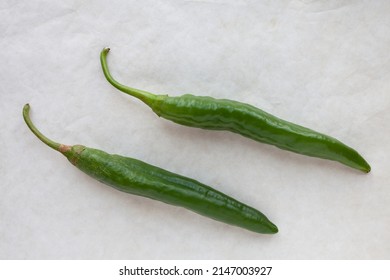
139,178
223,114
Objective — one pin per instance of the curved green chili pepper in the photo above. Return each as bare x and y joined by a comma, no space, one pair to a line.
249,121
139,178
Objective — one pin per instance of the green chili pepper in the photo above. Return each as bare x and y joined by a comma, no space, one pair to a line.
139,178
222,114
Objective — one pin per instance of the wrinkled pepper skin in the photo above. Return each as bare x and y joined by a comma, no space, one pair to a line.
244,119
139,178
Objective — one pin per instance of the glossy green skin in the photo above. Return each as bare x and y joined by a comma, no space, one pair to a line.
244,119
139,178
249,121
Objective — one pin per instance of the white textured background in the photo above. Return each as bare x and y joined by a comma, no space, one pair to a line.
322,64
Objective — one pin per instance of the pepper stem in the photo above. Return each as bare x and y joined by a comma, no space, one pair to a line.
56,146
144,96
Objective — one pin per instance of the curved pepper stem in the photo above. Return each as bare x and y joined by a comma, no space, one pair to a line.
56,146
144,96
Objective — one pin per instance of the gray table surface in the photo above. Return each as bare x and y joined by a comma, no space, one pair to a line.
321,64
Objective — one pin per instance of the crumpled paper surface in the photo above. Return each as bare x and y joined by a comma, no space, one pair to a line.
321,64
